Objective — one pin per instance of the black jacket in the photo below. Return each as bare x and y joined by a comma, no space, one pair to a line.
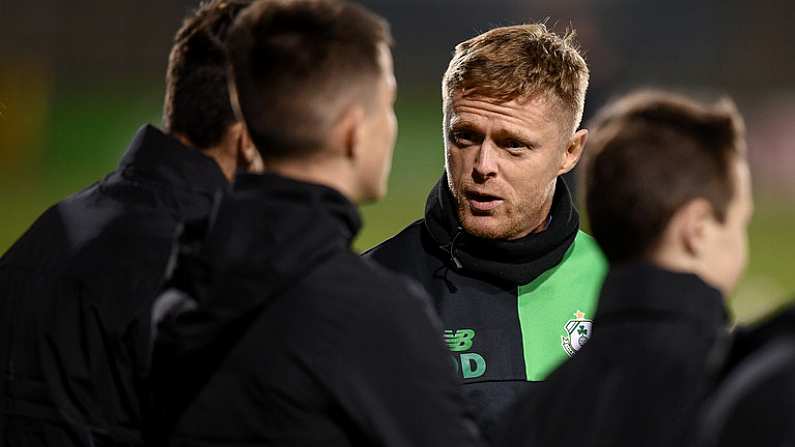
754,403
505,305
748,339
75,293
297,340
659,338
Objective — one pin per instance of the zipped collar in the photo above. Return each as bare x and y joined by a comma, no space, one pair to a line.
514,262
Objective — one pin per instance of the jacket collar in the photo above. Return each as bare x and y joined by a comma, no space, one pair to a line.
644,289
513,262
303,200
153,155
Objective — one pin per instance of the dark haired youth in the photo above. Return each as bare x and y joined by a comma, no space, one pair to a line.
77,287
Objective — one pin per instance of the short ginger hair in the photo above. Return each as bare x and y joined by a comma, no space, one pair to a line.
520,61
650,153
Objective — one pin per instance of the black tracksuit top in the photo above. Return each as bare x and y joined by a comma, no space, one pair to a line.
659,340
75,293
512,311
297,340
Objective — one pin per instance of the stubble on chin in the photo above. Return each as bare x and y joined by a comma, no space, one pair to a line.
509,222
502,225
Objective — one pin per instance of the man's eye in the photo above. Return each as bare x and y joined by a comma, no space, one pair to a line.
463,138
514,144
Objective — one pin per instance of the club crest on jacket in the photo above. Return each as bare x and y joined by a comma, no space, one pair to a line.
578,333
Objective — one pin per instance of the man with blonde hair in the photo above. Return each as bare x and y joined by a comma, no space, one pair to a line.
500,251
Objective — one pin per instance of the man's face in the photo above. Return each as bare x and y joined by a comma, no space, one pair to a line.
726,247
379,132
503,159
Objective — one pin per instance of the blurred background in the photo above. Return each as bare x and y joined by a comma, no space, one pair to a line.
78,78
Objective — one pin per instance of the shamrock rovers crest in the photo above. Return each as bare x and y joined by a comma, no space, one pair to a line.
578,330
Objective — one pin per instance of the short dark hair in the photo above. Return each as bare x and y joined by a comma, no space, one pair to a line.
297,64
649,154
197,95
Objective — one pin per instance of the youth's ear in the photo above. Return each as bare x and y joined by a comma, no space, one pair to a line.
691,224
350,132
248,156
573,151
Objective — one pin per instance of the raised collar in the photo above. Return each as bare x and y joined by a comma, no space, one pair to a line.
643,289
512,262
314,199
153,155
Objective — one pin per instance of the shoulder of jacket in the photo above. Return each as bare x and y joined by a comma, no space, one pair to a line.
399,242
372,278
378,294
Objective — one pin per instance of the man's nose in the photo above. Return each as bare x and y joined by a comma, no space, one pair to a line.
486,161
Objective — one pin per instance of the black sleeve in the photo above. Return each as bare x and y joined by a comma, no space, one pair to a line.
395,379
748,339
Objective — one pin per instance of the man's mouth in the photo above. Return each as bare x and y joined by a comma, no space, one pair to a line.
481,201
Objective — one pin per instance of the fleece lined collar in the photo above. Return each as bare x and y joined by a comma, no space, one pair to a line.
513,262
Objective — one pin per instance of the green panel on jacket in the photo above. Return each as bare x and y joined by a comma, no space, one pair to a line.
555,309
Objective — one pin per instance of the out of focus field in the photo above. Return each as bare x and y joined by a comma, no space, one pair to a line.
79,137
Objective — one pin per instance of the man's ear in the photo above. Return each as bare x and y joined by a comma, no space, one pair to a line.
248,157
691,225
350,129
573,152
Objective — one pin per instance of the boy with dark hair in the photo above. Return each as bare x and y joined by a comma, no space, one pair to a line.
669,199
77,287
658,158
196,109
296,340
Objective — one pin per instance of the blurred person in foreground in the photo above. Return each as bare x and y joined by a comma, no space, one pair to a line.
755,402
668,194
500,249
77,287
288,337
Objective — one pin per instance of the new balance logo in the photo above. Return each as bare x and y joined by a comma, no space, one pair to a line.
470,364
460,340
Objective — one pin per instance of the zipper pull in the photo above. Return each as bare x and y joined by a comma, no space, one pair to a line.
459,232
